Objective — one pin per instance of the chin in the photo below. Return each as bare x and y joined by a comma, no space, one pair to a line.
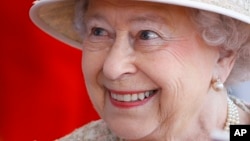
130,129
132,121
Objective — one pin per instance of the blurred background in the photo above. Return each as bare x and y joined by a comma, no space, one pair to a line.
42,92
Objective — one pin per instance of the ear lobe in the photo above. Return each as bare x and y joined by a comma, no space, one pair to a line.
225,63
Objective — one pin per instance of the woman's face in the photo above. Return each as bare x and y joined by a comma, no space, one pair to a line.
146,69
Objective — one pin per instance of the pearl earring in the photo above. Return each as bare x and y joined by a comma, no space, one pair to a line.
218,85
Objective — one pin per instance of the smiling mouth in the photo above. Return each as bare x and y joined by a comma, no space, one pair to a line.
133,97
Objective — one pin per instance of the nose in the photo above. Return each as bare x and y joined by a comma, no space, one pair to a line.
119,61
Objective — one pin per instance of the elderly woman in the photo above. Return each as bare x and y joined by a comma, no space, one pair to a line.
156,69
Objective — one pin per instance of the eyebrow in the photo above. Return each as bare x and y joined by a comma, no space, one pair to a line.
139,18
147,18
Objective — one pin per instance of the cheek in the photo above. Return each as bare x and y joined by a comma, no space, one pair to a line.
92,64
184,72
178,73
91,70
166,70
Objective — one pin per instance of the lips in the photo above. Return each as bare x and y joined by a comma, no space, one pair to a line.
130,99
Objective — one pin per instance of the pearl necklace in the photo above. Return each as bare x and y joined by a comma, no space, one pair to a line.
232,114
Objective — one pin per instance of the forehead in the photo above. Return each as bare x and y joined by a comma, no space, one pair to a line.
139,9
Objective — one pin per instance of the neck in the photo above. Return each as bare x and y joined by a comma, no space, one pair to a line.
212,116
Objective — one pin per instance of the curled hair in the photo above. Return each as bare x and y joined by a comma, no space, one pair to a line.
230,35
215,29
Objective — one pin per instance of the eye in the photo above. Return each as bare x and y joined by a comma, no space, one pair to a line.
97,31
148,35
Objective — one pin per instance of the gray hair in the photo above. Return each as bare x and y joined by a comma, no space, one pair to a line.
230,35
216,30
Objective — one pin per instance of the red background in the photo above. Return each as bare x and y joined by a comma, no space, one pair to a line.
42,92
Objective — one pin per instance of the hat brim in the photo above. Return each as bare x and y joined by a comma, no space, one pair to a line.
56,17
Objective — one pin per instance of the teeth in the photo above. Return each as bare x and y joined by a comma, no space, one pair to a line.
113,96
119,97
132,97
141,96
147,94
127,97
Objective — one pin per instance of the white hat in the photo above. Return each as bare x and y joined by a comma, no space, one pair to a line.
55,17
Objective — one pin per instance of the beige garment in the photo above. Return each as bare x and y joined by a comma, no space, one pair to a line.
93,131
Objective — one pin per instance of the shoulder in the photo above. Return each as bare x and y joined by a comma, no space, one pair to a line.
93,131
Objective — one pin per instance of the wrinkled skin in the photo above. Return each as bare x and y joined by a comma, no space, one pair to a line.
139,46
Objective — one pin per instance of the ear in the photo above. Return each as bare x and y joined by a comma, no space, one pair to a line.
225,64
